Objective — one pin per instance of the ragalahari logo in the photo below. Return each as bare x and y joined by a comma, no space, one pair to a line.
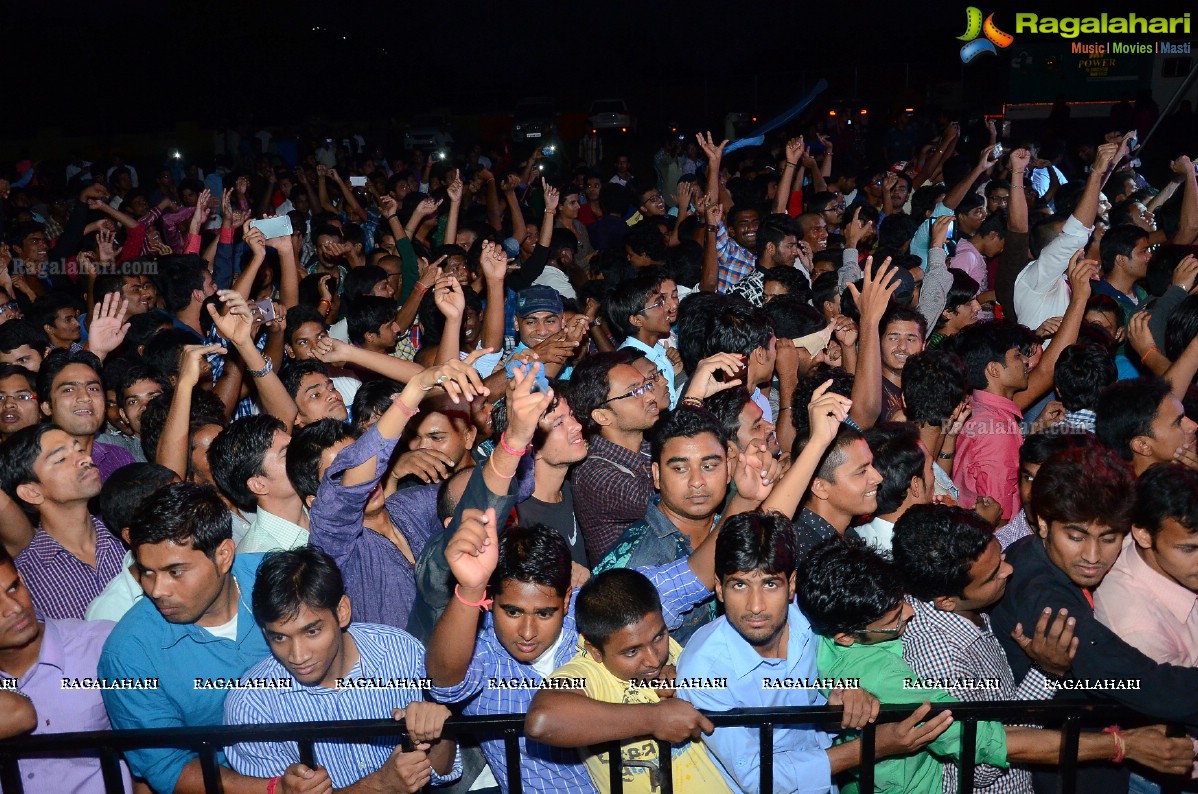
974,27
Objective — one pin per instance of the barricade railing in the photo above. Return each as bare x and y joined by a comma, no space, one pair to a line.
206,742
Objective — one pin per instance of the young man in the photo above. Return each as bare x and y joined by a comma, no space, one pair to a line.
1125,258
18,392
616,406
907,479
749,334
72,555
861,637
624,643
935,385
195,625
1144,422
137,386
778,249
996,357
844,486
185,284
305,330
540,323
1037,448
71,391
979,238
372,324
249,463
691,472
761,639
57,314
300,604
643,310
309,384
1148,597
40,658
22,344
903,332
531,631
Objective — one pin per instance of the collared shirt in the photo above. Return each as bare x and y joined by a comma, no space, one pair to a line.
1130,305
544,769
70,650
881,670
656,541
113,437
272,533
386,655
1079,421
951,648
657,354
988,452
1014,529
108,458
61,584
969,260
1041,290
1166,692
118,596
800,752
612,488
735,262
642,764
878,532
1149,611
175,656
751,287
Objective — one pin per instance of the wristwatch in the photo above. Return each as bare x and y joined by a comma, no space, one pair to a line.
262,373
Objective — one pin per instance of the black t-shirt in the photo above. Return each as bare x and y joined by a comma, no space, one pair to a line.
558,515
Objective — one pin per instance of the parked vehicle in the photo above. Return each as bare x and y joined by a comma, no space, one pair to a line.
611,114
534,120
428,132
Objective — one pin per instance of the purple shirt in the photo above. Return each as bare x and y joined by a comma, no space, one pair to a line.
62,585
70,650
108,458
379,580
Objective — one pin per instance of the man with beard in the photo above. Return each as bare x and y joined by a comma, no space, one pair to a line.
71,391
72,555
193,637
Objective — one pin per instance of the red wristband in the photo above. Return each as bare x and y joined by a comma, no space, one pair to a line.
519,453
226,235
193,244
419,287
1120,747
484,604
271,785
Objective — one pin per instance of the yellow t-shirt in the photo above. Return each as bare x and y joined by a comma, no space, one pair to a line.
694,770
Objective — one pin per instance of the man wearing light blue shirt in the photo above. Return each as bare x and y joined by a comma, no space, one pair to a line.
643,309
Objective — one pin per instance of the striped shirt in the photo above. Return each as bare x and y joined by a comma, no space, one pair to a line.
735,261
545,769
61,584
386,656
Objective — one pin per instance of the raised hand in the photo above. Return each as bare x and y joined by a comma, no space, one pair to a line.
940,230
494,262
237,323
1105,157
455,187
856,229
1139,334
106,245
192,363
756,472
1020,159
1186,272
428,465
388,206
254,239
203,211
794,150
107,328
552,196
875,293
714,152
525,407
428,207
825,413
473,551
704,383
331,351
449,298
459,379
1053,647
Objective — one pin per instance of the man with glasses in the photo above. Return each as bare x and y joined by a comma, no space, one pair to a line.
9,308
643,310
616,405
18,399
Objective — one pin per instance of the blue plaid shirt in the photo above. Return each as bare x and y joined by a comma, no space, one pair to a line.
545,769
736,262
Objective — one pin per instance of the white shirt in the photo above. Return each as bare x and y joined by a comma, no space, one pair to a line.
878,533
271,533
1041,290
553,277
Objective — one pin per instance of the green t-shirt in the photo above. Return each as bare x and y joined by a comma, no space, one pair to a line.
883,672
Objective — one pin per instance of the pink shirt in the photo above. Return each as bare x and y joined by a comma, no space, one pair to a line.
1149,611
987,461
969,260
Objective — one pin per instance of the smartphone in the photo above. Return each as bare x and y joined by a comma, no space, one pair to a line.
548,150
357,181
951,228
1006,129
329,141
267,307
997,151
273,227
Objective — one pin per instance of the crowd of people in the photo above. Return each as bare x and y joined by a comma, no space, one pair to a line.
325,435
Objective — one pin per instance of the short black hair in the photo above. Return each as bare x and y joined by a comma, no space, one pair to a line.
963,289
360,281
792,280
844,585
142,327
756,541
725,407
696,313
899,457
842,384
934,384
645,239
308,443
535,554
137,371
1166,491
164,350
57,361
685,422
182,513
824,289
1082,372
792,317
1120,240
590,383
237,454
292,579
17,456
1181,328
629,298
1127,409
365,315
10,370
298,316
935,546
835,455
47,307
903,314
205,409
179,276
984,343
739,329
125,490
15,333
293,374
612,600
1082,485
372,399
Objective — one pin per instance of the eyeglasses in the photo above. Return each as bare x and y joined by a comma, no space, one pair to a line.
899,624
657,305
9,308
647,386
19,397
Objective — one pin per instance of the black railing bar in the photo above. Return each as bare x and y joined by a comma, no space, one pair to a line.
969,755
511,751
869,756
1069,742
615,767
10,775
766,737
85,742
307,753
666,766
210,769
110,768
